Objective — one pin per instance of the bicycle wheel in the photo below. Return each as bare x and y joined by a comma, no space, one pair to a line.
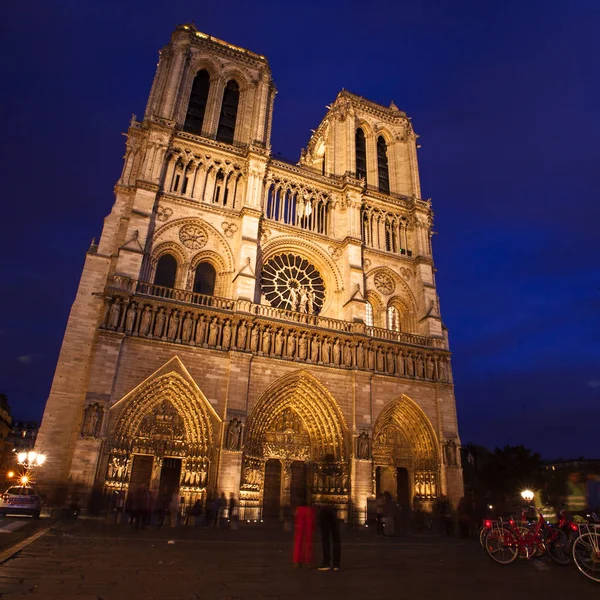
502,545
528,546
558,546
586,554
483,531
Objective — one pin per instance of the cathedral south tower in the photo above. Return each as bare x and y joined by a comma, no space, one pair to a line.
252,326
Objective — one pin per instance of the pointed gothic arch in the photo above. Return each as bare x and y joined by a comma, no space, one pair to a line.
165,417
315,405
410,418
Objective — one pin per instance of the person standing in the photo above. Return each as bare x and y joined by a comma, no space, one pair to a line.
304,525
593,493
141,506
576,494
330,539
379,505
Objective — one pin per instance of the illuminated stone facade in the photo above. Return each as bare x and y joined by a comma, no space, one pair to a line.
251,326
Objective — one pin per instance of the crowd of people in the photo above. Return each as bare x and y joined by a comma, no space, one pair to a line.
142,508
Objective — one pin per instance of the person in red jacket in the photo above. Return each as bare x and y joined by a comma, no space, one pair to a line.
304,525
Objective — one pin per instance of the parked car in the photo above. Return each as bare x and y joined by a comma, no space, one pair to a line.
20,500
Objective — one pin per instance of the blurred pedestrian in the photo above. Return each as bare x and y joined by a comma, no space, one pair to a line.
304,525
162,507
330,539
141,506
379,504
389,514
576,494
593,492
234,520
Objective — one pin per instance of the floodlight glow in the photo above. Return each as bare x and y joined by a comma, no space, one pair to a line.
527,495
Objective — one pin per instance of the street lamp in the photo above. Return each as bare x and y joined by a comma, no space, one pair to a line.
527,495
31,459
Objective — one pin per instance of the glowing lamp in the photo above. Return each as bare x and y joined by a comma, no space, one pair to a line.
527,495
24,480
22,457
10,474
40,459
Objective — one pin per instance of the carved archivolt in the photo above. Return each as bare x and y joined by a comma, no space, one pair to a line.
313,405
405,419
184,413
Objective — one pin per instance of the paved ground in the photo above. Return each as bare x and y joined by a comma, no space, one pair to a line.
87,560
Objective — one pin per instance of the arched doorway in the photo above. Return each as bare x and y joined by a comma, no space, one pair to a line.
295,438
162,436
405,455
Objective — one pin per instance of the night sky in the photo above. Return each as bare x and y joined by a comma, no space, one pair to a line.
504,95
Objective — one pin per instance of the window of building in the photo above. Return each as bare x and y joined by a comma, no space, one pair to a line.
361,155
382,166
197,105
369,315
166,271
393,318
229,108
204,279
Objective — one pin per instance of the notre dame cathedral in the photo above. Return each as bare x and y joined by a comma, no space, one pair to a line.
252,326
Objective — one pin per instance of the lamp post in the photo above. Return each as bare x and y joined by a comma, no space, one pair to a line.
29,461
527,495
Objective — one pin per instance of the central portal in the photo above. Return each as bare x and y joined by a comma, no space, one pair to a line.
272,489
170,476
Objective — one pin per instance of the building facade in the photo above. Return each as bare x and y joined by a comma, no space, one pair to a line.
251,326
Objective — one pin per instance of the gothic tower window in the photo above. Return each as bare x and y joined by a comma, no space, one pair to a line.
382,166
393,319
229,108
369,315
197,105
204,279
166,271
361,154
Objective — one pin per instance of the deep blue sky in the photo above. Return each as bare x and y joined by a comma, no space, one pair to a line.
506,99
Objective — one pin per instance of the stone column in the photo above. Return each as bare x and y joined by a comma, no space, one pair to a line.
286,482
361,486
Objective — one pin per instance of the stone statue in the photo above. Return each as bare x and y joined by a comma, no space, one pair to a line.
279,343
241,336
336,352
410,365
314,351
391,360
234,434
115,313
347,354
360,356
420,366
380,359
212,332
400,363
200,331
254,339
159,323
371,358
226,335
173,325
363,449
91,417
450,452
302,346
430,367
266,341
303,300
293,298
186,330
443,370
145,321
130,319
310,302
325,351
291,345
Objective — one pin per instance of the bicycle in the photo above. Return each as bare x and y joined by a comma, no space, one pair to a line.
586,549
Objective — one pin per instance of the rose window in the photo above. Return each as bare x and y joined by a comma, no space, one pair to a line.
291,282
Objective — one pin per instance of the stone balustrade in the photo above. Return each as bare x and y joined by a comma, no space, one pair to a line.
149,311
